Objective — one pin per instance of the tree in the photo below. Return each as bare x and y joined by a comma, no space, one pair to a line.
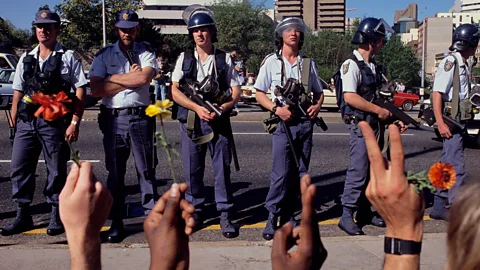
246,29
84,22
329,50
12,37
400,62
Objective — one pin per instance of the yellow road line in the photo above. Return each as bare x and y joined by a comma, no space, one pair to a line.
216,227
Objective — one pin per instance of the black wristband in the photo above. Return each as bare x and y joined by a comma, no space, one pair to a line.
398,246
274,109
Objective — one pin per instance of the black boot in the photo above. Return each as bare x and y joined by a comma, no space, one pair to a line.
439,211
23,222
116,232
367,217
270,227
347,224
55,227
198,217
228,229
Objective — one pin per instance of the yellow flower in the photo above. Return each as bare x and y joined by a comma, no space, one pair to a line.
159,108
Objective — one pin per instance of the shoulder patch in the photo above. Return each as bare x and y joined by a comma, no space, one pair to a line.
103,50
345,67
448,65
265,59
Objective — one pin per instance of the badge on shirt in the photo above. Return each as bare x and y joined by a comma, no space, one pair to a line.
448,65
345,68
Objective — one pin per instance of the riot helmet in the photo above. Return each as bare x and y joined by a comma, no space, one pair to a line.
464,37
370,30
198,16
287,24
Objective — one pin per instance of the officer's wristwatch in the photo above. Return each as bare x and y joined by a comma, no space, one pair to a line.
274,109
398,246
75,123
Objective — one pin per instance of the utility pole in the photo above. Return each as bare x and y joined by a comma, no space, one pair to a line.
422,89
104,25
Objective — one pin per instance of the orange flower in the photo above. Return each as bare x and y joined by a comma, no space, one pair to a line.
51,106
442,175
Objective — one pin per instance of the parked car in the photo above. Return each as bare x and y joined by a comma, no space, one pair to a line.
8,61
406,101
6,81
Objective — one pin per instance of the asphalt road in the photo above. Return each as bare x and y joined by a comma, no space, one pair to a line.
328,166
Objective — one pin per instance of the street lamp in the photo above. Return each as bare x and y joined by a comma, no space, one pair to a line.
104,25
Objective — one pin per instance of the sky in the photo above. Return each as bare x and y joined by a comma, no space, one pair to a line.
22,12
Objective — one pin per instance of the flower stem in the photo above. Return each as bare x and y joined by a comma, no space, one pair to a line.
73,154
169,155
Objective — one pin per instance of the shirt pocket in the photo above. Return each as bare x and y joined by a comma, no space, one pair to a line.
276,80
114,69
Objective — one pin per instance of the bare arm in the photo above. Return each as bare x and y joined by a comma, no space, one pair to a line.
100,88
85,253
134,79
79,106
437,107
264,100
235,98
319,97
354,100
17,96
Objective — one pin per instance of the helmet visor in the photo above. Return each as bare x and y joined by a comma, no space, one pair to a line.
291,24
193,9
383,28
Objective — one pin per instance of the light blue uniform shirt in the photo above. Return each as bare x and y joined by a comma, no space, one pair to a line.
111,60
71,69
206,68
270,74
351,75
444,77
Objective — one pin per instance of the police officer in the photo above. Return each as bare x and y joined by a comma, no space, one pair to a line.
50,69
206,61
464,44
359,82
288,62
121,74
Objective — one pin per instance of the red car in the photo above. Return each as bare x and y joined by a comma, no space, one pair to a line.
406,101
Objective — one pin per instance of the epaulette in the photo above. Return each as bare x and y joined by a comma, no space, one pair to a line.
265,59
148,47
102,50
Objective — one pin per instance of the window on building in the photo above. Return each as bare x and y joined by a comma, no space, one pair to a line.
460,18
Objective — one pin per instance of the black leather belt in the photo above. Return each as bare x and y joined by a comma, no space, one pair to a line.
124,111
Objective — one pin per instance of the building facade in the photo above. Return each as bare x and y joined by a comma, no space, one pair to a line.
438,38
167,14
410,12
459,18
470,5
317,14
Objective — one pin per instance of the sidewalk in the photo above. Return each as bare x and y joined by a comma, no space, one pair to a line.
364,252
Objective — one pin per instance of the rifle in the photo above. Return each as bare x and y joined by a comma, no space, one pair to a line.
288,132
397,114
295,104
385,99
429,117
193,92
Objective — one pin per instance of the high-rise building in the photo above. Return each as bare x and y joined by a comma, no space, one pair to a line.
410,12
167,14
470,5
459,18
438,37
317,14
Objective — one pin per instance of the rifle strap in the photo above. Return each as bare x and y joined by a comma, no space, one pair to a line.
456,89
306,62
382,138
192,120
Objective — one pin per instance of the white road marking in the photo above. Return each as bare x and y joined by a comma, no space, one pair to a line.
43,161
316,134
